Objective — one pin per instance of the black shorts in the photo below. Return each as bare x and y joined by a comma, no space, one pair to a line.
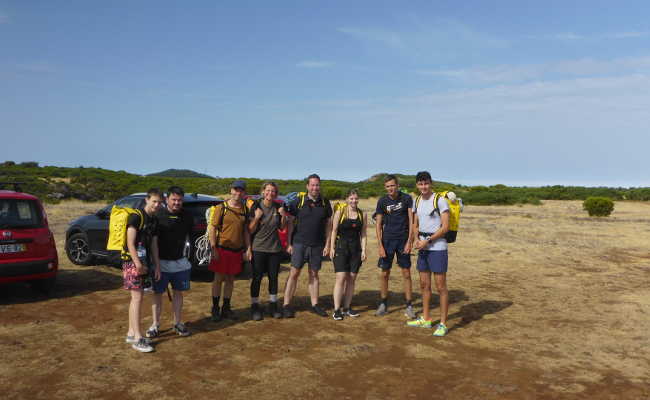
347,257
394,249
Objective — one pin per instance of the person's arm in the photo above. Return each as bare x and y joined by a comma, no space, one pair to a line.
255,221
379,229
284,217
335,228
212,235
247,242
131,235
156,257
328,232
409,241
415,239
364,235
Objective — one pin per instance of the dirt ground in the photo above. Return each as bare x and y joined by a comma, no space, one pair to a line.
545,303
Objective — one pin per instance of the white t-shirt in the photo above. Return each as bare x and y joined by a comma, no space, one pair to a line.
429,223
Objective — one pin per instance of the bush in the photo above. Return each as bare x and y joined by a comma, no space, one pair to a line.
598,206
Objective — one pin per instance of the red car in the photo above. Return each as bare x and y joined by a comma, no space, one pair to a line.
27,247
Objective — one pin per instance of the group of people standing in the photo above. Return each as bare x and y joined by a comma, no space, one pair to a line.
245,230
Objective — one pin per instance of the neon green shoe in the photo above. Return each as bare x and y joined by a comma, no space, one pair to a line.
419,323
441,330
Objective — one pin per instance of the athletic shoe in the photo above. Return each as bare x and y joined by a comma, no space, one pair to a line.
227,312
351,313
142,346
216,315
131,340
274,310
181,329
338,315
441,330
153,331
409,312
381,310
419,323
287,312
316,309
256,312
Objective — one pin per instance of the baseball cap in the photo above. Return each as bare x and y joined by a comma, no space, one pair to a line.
238,184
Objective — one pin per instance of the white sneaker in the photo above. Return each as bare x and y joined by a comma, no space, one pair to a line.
142,346
131,340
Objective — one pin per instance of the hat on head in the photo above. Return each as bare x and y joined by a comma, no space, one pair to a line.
238,184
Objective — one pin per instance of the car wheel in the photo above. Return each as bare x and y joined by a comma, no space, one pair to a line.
78,250
44,286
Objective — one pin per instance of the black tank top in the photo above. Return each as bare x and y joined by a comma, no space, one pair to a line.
350,230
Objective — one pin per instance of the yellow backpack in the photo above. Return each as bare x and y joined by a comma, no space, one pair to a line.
345,211
117,226
454,213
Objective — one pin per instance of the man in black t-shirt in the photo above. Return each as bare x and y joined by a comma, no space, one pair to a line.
394,227
140,254
174,227
309,241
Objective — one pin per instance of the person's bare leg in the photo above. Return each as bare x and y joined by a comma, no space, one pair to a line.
349,289
177,305
314,286
156,308
408,285
228,286
134,313
291,285
339,289
216,284
383,278
425,291
441,285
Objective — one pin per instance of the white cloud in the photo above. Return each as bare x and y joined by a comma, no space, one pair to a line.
314,64
521,73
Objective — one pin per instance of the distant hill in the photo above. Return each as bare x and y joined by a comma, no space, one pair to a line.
180,173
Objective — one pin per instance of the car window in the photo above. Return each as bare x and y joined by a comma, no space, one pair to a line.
16,213
197,210
132,202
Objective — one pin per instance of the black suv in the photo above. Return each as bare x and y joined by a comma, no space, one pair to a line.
86,237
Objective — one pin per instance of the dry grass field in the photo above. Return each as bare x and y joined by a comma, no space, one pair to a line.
546,303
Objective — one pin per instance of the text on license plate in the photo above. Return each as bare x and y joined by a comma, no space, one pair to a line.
12,248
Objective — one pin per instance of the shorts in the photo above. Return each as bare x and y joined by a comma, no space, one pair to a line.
132,280
311,254
180,281
394,248
229,262
347,258
432,261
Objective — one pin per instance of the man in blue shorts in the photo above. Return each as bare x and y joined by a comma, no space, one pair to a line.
174,227
394,231
431,224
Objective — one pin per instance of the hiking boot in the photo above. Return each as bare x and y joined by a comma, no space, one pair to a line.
350,312
227,312
274,310
381,310
287,312
142,346
131,340
216,315
409,312
338,315
441,330
316,309
419,323
153,331
181,329
256,312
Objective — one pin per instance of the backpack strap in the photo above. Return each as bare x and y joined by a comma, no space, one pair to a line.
417,202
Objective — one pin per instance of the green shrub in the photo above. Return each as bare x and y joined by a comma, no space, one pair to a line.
598,206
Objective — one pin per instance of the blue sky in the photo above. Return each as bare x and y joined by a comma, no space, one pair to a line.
477,92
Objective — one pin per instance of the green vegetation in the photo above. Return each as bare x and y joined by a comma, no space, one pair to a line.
95,184
598,206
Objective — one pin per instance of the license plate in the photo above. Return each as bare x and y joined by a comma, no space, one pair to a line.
12,248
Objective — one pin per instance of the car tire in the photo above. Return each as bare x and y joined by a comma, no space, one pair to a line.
44,286
78,249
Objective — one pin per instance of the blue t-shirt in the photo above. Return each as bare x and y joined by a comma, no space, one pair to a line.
395,215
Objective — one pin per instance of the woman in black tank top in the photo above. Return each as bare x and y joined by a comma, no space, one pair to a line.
348,252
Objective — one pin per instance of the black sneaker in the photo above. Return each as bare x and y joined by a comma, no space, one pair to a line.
256,312
181,329
216,315
318,311
227,312
274,310
287,312
338,315
350,313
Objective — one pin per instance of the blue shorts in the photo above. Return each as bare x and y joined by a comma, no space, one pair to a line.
394,249
180,281
432,261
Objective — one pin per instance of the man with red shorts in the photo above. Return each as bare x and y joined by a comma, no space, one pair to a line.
230,243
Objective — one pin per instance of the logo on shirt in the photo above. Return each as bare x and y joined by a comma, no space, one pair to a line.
394,207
